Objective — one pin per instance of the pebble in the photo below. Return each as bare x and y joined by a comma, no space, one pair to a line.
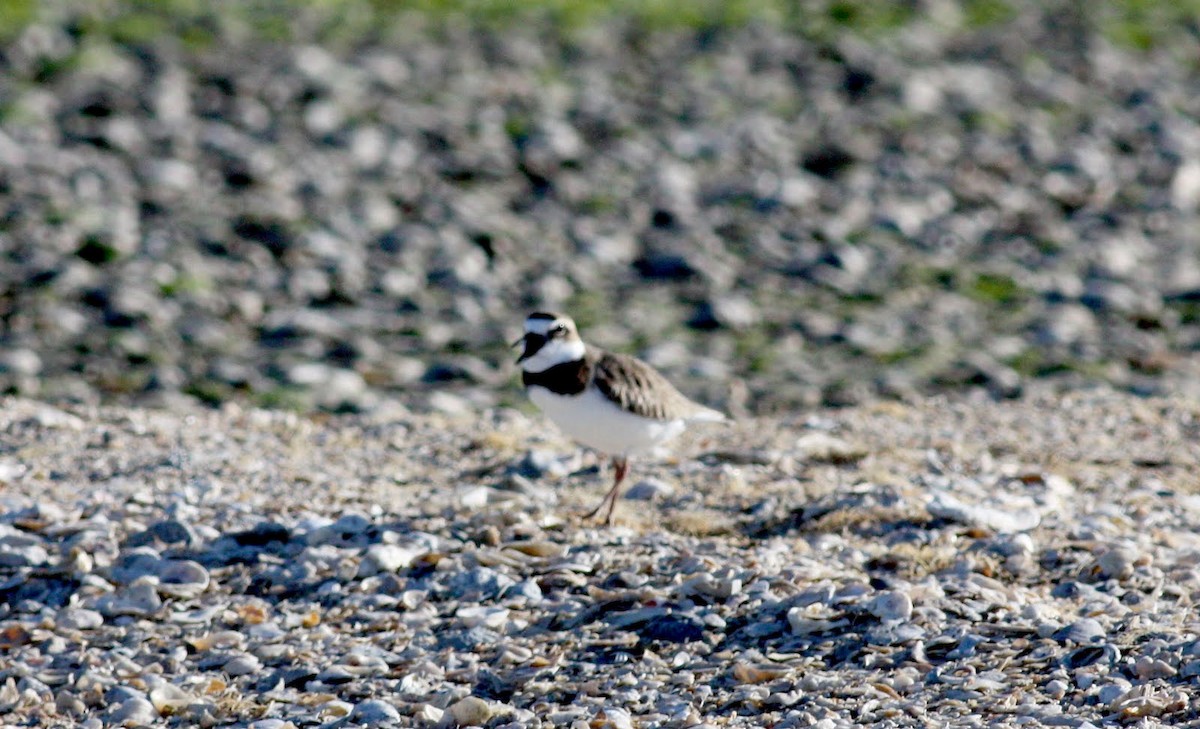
649,490
612,717
65,703
480,583
1056,688
182,578
747,674
493,618
1148,668
824,448
470,711
1117,562
79,619
1084,630
891,606
347,529
1185,186
945,506
476,498
1109,693
19,551
140,599
388,558
10,470
133,711
173,531
169,699
673,628
529,590
242,665
539,463
430,714
374,712
712,586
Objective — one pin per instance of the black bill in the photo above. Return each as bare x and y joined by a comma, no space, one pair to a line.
533,342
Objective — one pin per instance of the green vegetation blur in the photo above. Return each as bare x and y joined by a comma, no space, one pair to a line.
1138,24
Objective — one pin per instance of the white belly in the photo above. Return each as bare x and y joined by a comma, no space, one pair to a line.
594,421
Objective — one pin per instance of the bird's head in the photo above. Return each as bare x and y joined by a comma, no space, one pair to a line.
549,340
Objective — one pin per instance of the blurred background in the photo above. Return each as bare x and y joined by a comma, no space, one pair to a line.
346,204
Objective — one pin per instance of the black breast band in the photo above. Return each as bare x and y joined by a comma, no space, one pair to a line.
568,378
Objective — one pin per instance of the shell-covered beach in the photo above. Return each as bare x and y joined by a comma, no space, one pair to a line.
265,460
946,562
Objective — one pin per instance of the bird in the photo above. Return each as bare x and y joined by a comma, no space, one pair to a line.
614,403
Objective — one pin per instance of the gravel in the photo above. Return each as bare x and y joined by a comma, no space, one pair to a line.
778,220
253,568
995,229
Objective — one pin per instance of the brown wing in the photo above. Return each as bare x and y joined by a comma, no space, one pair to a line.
639,388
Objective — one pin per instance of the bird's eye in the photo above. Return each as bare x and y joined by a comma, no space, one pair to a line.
558,329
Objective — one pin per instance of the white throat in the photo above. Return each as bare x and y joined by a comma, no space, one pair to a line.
554,352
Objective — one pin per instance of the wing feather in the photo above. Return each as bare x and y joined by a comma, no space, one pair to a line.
639,388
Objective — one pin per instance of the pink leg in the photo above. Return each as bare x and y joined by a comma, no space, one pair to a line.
620,465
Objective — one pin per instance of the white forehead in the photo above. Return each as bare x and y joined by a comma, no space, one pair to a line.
542,326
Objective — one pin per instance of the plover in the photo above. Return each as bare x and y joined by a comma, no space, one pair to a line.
614,403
